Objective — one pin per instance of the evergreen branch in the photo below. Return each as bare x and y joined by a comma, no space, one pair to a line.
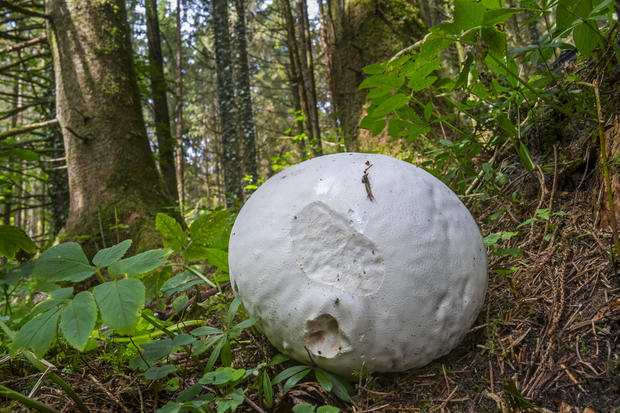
27,128
23,45
22,10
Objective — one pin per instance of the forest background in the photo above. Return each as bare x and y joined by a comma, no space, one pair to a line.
154,121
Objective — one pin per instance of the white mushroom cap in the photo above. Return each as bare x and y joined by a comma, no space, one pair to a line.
392,282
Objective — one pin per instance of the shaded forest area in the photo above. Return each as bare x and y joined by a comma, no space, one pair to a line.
131,132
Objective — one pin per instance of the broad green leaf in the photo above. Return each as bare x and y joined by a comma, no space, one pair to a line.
586,38
159,372
63,262
569,11
172,232
141,263
498,16
78,319
222,376
12,239
209,228
495,40
327,409
422,84
170,407
392,103
157,349
230,401
384,81
526,158
107,256
179,303
183,340
232,310
38,333
61,293
304,408
374,69
213,256
120,303
189,393
467,14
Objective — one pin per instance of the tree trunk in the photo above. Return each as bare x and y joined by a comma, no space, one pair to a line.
307,72
294,74
360,33
161,114
113,181
245,123
178,159
231,164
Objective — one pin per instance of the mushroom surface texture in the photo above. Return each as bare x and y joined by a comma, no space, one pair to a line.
358,259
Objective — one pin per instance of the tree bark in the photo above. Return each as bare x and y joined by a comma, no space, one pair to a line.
113,180
178,158
294,74
161,115
307,72
246,131
231,164
360,33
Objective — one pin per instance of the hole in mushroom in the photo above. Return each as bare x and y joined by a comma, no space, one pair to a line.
322,336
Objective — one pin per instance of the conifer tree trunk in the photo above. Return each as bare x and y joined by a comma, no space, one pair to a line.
113,180
178,158
245,124
307,71
161,114
231,164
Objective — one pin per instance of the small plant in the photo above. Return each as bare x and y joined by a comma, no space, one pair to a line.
330,382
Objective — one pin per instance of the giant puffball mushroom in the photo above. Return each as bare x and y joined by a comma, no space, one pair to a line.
358,259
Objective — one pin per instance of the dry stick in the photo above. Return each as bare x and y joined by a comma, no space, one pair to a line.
610,195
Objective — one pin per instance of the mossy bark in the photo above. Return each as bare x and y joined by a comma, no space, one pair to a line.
362,32
114,184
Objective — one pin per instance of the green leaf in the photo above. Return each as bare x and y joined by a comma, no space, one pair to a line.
232,311
324,379
384,81
392,103
295,378
205,331
327,409
63,262
78,320
495,40
172,232
285,374
220,340
180,282
526,158
498,16
342,388
267,389
586,38
179,303
467,14
12,239
570,11
215,257
303,408
183,340
141,263
120,303
374,69
222,376
157,349
170,407
107,256
230,402
189,393
208,229
155,373
38,333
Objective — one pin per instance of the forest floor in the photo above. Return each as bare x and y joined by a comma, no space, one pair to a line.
546,339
